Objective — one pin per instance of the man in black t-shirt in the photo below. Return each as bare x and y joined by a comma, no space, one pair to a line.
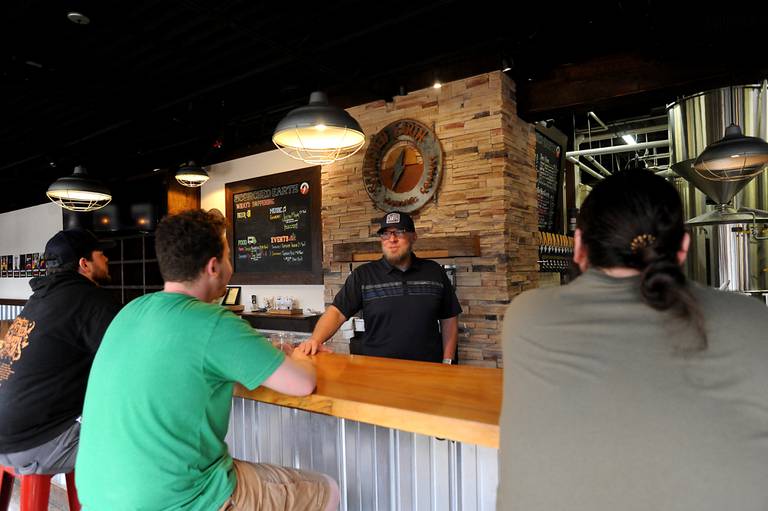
403,299
46,355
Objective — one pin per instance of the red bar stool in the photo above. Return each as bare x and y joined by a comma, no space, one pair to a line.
35,490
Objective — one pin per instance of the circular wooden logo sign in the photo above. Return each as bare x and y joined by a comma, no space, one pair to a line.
402,166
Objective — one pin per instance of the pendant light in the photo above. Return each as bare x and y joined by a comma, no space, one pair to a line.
733,157
79,192
318,133
192,175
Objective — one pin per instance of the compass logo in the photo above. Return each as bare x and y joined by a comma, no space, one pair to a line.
402,166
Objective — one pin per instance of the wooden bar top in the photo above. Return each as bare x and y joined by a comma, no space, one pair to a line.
459,403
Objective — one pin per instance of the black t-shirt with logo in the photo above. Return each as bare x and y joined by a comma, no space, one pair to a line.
46,356
401,309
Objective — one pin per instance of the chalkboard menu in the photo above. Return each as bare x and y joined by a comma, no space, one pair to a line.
272,229
548,172
275,231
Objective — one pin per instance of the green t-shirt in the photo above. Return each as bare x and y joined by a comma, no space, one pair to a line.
158,403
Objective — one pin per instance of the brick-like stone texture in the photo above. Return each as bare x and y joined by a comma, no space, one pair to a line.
488,189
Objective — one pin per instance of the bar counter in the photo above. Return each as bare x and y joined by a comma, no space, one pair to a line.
460,403
394,434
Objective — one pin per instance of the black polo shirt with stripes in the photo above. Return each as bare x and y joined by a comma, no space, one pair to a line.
401,309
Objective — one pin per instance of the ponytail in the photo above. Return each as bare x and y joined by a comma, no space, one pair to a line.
663,286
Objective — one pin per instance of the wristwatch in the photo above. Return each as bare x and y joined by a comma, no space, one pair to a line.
448,361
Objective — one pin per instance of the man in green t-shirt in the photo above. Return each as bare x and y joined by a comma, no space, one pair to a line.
160,390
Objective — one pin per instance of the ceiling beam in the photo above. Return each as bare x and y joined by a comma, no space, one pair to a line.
609,82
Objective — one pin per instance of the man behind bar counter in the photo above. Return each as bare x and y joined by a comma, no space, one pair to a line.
402,298
160,392
47,353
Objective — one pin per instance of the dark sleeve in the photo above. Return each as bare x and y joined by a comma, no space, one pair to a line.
350,299
450,306
101,310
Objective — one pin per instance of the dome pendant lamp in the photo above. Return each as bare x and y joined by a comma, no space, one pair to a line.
733,157
192,175
79,192
318,133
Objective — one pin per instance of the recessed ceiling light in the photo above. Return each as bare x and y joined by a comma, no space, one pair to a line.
437,85
78,18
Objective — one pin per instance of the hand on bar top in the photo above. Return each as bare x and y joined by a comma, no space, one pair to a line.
312,346
297,354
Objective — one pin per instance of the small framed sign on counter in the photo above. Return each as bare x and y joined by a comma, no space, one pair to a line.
274,228
232,296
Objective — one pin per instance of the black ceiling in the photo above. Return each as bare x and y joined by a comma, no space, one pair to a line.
151,83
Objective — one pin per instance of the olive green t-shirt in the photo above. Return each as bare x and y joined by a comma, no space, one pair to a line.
600,414
158,403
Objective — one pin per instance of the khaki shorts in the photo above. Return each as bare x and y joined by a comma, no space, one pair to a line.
266,487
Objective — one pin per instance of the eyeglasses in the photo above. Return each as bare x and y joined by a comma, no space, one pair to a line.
398,233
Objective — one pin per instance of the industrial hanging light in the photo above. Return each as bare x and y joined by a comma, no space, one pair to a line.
733,157
192,175
318,133
79,192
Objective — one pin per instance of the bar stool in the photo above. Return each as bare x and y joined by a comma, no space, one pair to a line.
35,490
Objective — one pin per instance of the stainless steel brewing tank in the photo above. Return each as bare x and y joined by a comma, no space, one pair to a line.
695,122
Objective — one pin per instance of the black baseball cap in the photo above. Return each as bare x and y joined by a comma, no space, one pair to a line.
70,245
397,219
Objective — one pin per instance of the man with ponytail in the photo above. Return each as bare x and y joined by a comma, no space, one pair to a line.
632,388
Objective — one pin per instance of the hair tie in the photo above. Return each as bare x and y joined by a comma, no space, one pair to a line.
641,241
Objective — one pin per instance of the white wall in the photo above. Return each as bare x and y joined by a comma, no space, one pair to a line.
213,196
22,232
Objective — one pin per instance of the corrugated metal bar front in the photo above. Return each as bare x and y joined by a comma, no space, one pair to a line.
10,311
377,468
